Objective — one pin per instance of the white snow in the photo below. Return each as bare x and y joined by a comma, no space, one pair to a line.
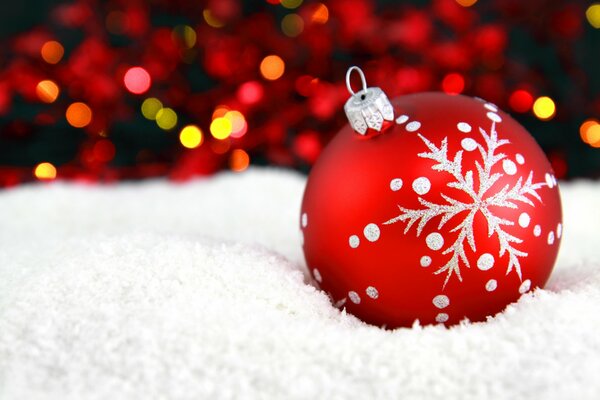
158,290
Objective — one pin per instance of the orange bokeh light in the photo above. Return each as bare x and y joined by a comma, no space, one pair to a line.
239,160
47,91
272,67
52,52
79,115
45,171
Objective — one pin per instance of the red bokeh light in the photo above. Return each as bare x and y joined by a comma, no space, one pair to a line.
137,80
453,83
103,150
520,100
250,92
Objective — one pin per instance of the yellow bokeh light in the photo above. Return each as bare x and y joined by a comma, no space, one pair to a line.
211,20
292,25
150,107
593,15
79,115
321,14
166,118
190,136
220,128
544,108
47,91
291,4
466,3
52,52
239,160
272,67
593,135
186,35
45,171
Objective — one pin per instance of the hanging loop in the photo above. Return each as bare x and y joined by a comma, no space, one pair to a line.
367,109
363,80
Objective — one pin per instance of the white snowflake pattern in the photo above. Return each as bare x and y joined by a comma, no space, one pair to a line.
481,202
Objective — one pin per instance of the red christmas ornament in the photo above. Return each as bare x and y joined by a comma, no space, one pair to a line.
433,207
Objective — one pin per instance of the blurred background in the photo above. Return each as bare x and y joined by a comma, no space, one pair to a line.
100,91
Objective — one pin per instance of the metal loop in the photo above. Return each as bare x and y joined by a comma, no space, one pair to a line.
362,79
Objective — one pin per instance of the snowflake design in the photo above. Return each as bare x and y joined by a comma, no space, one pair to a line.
481,202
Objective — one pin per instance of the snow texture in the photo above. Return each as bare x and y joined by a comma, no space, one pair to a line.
157,290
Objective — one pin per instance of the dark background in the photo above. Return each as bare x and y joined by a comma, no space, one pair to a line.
545,48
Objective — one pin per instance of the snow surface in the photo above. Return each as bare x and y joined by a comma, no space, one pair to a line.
157,290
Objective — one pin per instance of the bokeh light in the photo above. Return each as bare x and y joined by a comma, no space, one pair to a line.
47,91
593,135
453,83
466,3
593,15
79,115
272,67
583,128
220,128
544,108
292,25
291,4
103,150
185,35
520,100
321,14
137,80
150,107
250,92
52,52
166,118
45,171
190,136
211,20
238,123
220,111
239,160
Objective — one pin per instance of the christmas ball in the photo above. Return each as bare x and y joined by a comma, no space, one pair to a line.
431,207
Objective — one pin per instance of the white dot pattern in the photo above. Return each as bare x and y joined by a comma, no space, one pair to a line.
396,184
434,241
524,220
525,286
372,292
441,317
401,119
491,285
421,185
371,232
520,159
509,167
494,117
354,297
551,238
537,231
317,275
485,261
549,181
464,127
425,261
559,230
413,126
441,301
304,220
491,107
354,241
468,144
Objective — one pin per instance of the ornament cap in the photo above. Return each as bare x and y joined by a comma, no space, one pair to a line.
369,107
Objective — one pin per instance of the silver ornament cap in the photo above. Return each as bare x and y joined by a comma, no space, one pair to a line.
369,107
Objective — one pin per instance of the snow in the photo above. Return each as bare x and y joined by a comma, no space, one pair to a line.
157,290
